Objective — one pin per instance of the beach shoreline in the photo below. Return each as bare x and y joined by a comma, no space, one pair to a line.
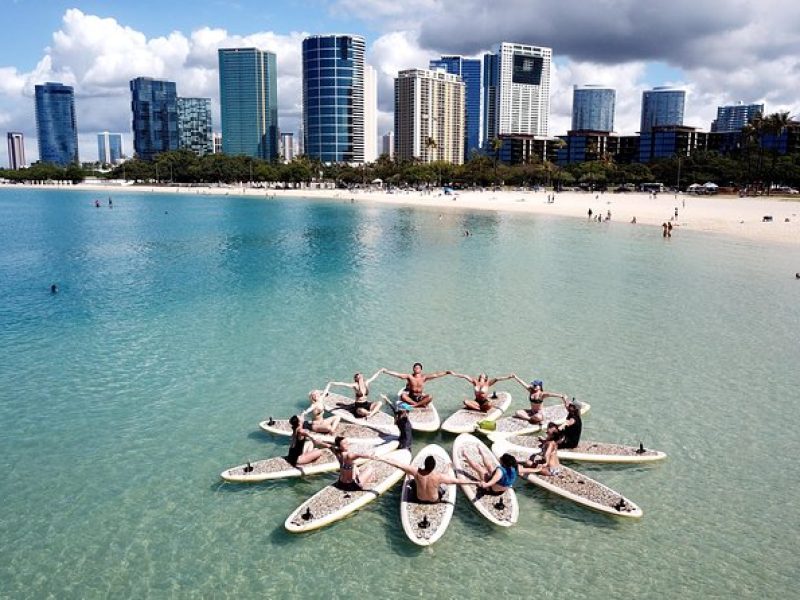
732,216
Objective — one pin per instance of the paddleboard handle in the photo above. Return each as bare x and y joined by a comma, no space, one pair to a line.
248,468
500,505
271,422
641,449
307,516
424,524
621,505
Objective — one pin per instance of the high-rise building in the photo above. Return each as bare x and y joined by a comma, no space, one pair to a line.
662,106
333,98
56,128
288,151
429,115
470,71
370,114
154,103
109,148
516,82
194,125
388,144
217,143
248,92
593,108
734,117
16,150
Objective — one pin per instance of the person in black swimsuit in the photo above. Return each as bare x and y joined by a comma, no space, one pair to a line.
403,423
480,387
362,407
301,449
351,478
536,396
572,427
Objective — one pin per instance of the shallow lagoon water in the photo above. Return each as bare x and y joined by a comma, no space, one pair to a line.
182,320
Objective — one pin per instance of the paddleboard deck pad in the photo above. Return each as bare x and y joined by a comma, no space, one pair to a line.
423,419
425,523
349,430
586,451
516,426
465,420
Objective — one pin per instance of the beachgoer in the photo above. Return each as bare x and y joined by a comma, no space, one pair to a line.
590,214
796,276
319,424
676,213
546,462
664,226
301,449
362,407
351,478
572,427
608,215
495,480
633,220
536,396
669,229
97,203
480,386
406,436
54,289
414,394
428,486
110,204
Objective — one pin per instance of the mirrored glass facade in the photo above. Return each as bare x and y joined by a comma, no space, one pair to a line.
194,125
593,108
661,107
154,103
56,129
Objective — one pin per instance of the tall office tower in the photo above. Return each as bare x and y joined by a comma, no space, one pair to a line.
288,151
109,148
370,114
662,106
248,93
470,71
388,144
194,125
734,117
217,143
429,113
16,150
593,108
333,98
56,129
154,103
516,94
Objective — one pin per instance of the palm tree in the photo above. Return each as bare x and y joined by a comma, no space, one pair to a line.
496,145
430,144
775,125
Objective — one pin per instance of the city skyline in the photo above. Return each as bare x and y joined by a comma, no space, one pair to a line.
183,49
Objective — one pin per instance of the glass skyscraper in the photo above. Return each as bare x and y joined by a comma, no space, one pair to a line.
248,93
470,71
16,150
735,117
109,148
56,129
194,125
662,106
593,108
154,103
333,98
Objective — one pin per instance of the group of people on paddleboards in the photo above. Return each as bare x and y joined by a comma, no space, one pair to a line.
429,484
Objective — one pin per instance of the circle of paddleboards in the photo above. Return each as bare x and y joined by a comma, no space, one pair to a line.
513,425
501,509
423,419
424,523
331,504
597,452
575,486
279,468
465,420
349,430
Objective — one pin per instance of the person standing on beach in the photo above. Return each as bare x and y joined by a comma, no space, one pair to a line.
676,213
664,226
590,214
414,394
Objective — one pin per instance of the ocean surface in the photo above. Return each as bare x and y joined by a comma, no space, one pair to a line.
183,320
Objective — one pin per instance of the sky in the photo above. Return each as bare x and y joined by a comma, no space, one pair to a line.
720,51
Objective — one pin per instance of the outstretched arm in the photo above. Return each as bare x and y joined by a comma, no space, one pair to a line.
464,377
519,381
503,378
352,386
459,480
395,374
437,375
408,469
374,377
554,395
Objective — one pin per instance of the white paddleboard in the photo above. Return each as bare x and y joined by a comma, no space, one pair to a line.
425,523
349,430
465,420
514,426
597,452
579,488
423,419
279,468
331,504
501,510
379,421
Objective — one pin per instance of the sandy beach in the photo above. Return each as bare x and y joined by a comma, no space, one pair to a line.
727,215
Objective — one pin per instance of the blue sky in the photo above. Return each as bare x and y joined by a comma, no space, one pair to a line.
722,51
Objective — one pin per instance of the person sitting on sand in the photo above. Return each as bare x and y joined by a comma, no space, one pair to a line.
494,480
301,448
572,427
428,486
536,396
481,385
362,407
319,424
351,478
546,463
414,394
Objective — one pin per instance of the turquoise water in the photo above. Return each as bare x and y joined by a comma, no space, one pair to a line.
182,321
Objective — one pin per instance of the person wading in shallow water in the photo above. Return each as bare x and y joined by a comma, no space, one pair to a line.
414,395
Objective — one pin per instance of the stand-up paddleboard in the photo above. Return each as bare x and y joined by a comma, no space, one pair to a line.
279,468
465,420
423,419
515,426
502,509
333,401
597,452
577,487
379,421
425,523
331,504
349,430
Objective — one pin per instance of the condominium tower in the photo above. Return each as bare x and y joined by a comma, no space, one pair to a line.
16,150
593,108
662,106
469,69
194,125
154,103
334,98
388,144
429,116
516,90
109,148
288,150
734,117
248,93
56,128
370,114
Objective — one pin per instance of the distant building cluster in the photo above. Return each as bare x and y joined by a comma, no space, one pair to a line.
496,104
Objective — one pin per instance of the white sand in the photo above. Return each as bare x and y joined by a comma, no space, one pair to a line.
741,217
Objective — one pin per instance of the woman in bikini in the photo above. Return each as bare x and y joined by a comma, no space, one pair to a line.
301,448
494,479
536,396
351,478
318,424
480,386
547,462
360,386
